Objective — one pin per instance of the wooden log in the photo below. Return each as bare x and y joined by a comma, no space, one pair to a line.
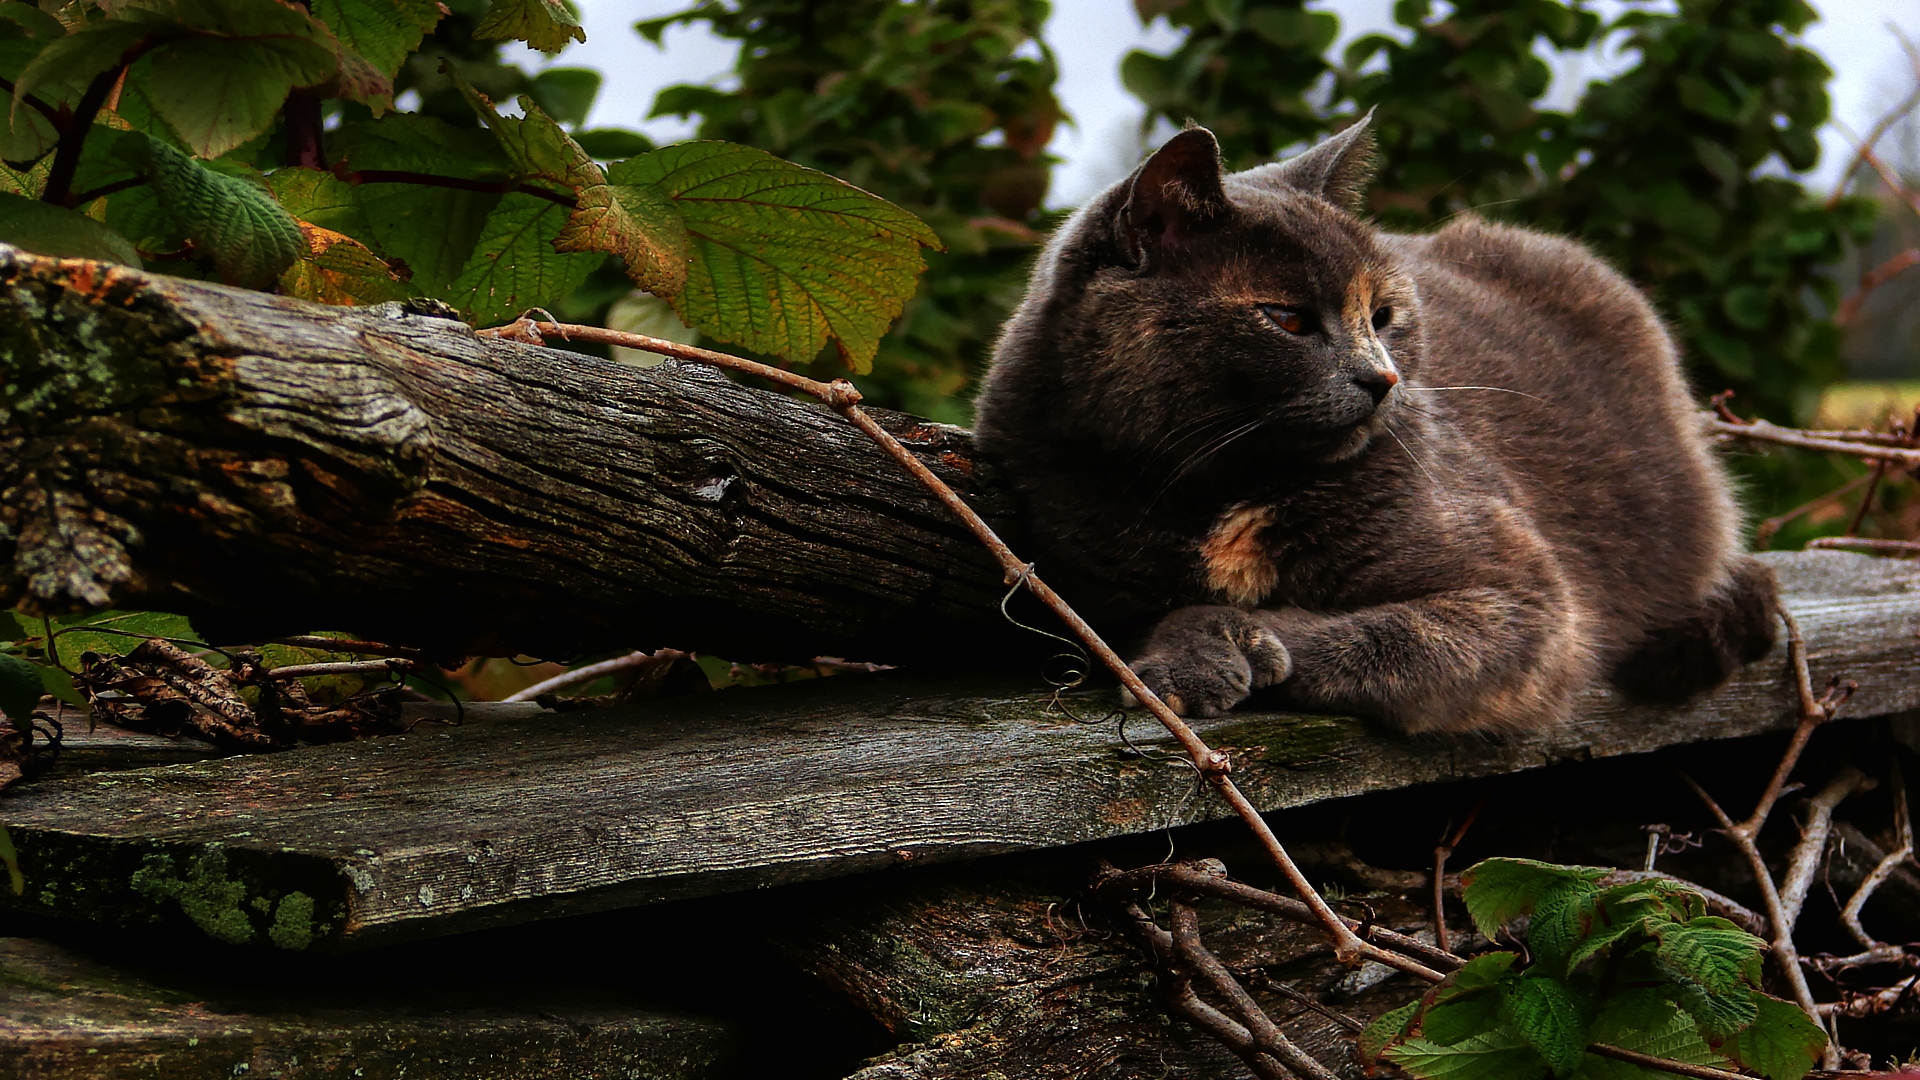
64,1016
271,466
1017,976
504,820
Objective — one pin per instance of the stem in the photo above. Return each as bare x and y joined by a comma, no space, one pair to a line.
1762,431
583,675
1648,1061
66,156
397,176
840,395
105,190
306,133
40,106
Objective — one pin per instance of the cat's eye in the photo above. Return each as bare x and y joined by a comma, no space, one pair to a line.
1293,322
1382,317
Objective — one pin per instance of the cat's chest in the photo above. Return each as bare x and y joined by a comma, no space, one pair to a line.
1273,554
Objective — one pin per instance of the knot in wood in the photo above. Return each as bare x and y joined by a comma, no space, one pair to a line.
1217,763
841,394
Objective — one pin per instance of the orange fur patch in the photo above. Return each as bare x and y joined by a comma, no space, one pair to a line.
1239,566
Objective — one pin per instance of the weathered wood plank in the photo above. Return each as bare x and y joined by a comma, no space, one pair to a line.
271,466
64,1016
512,819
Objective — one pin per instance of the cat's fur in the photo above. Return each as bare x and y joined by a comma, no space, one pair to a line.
1443,559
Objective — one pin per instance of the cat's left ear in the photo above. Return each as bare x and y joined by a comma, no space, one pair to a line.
1176,193
1338,170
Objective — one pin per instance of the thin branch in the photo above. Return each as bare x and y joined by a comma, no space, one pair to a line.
584,675
1892,179
1873,279
1866,500
1850,915
1305,1001
397,176
66,155
1266,1034
1441,852
1648,1061
1812,846
1177,987
1863,543
392,665
1763,535
346,645
1763,431
1871,1004
105,190
1880,128
841,396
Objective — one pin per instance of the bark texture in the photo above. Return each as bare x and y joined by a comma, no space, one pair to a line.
272,466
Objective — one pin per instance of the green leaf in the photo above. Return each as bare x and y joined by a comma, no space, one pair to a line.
783,257
1547,1016
1643,1021
73,636
24,31
1712,951
385,32
1782,1043
319,198
608,144
46,229
322,688
1498,890
1385,1029
71,62
1561,917
514,265
218,92
1460,1016
230,220
566,93
1496,1055
19,690
546,25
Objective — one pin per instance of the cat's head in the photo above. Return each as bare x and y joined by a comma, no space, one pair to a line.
1187,312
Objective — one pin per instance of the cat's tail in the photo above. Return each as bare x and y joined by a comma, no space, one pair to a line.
1734,625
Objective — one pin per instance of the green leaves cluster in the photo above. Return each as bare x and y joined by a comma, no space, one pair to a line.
191,136
1670,170
1639,966
27,671
944,107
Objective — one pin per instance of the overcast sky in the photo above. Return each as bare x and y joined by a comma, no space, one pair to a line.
1090,37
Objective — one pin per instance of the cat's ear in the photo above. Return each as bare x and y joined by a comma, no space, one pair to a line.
1176,193
1338,170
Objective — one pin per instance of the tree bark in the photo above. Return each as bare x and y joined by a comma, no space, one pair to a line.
271,466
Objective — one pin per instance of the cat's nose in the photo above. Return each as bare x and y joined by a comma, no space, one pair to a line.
1377,381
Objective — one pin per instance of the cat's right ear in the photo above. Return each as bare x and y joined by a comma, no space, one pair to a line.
1175,194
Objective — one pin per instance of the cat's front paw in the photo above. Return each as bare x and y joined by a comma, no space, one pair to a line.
1203,661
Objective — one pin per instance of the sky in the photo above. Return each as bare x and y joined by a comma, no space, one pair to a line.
1090,36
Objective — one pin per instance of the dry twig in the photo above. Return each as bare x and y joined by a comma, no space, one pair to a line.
1763,431
840,395
1441,852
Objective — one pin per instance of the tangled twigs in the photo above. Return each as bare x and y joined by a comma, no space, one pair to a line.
1783,903
1266,1036
841,396
1835,442
1875,951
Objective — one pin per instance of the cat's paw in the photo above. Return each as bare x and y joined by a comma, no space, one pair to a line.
1203,661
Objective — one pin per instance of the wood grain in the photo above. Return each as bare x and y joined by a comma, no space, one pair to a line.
519,817
271,466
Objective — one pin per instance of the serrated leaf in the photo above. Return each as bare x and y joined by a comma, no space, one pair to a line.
546,25
1643,1021
1547,1016
1498,890
319,198
783,257
337,269
1711,951
1627,920
1782,1043
230,220
19,689
46,229
514,265
385,32
217,93
1561,917
1719,1015
1386,1029
25,31
606,144
1496,1055
1462,1015
411,142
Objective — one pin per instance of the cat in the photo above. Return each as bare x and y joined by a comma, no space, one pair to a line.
1444,481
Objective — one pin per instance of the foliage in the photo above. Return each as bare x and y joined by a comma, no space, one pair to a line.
190,135
944,107
1670,170
1639,966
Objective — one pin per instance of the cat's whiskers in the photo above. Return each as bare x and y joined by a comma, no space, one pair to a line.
1192,429
1411,456
1495,389
1196,459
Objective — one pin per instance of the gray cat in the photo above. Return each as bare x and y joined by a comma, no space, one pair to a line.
1444,481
